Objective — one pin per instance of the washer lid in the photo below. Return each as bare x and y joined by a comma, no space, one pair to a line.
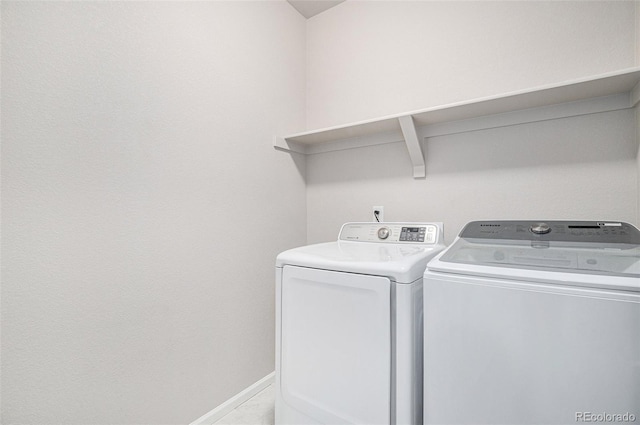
577,253
395,257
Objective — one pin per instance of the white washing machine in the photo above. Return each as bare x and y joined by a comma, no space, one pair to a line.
349,326
534,323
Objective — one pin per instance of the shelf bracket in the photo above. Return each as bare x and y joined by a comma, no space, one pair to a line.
410,134
282,144
635,95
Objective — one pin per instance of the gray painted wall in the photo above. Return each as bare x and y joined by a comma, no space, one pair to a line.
137,169
371,59
143,204
637,40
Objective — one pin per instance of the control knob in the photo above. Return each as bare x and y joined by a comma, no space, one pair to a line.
540,228
383,232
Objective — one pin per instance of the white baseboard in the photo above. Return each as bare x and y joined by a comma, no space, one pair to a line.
235,401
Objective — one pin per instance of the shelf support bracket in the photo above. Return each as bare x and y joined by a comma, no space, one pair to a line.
282,144
410,134
635,95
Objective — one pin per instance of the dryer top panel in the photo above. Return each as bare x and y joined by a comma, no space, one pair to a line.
400,252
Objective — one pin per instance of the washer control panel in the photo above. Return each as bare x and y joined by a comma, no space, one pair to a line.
554,231
421,233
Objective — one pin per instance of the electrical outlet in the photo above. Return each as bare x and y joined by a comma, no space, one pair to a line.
377,213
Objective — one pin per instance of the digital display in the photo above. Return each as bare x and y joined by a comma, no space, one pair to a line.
583,227
413,234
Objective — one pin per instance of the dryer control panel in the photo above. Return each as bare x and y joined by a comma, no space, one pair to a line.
409,233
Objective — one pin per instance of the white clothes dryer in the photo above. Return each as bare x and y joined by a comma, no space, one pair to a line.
349,326
534,323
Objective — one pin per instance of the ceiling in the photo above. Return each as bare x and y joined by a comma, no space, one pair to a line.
309,8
